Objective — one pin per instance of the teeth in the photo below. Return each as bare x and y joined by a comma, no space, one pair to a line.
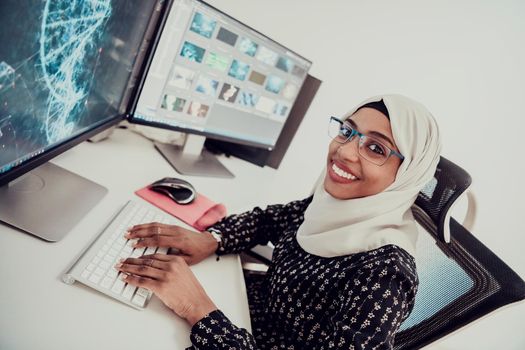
342,173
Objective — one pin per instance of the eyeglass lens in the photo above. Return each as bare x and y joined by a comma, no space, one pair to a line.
369,148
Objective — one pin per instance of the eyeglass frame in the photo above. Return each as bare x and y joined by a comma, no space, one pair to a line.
354,132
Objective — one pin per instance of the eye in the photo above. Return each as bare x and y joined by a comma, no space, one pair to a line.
377,148
345,131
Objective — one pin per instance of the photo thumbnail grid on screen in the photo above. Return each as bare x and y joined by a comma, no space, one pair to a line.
244,83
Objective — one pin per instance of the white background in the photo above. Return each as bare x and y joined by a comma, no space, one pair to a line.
464,60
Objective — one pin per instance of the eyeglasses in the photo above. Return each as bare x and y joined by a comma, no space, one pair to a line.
370,148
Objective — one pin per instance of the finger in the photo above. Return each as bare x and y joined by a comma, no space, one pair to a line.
146,226
152,230
141,260
167,258
158,241
187,258
140,281
159,257
148,269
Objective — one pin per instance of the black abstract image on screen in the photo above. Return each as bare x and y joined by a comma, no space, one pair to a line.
54,63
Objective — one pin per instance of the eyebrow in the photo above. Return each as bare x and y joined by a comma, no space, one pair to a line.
373,133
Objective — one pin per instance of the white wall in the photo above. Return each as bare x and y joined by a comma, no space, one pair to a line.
465,60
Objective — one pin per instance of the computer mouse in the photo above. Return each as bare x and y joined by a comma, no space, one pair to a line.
180,191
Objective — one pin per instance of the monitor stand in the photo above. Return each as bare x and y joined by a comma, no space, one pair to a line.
193,159
48,201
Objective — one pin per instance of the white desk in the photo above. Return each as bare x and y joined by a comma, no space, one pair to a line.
38,311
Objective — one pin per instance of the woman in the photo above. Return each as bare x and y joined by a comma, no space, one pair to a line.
343,273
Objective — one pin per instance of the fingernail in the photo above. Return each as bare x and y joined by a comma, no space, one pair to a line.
118,266
121,260
127,234
123,276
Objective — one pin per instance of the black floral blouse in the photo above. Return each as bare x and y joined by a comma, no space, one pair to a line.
305,301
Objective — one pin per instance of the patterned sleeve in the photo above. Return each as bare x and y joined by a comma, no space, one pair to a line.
377,301
215,331
244,231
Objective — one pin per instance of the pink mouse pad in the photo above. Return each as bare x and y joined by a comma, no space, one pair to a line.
200,214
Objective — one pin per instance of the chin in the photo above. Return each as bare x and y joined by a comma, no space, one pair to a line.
335,192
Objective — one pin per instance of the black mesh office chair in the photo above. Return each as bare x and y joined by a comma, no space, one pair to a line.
460,279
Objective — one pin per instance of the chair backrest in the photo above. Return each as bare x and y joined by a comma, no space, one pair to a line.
460,279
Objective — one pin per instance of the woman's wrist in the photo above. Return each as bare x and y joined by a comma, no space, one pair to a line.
217,238
199,312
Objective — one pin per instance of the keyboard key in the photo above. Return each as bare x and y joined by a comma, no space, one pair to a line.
107,282
95,278
118,286
162,250
100,271
144,292
140,251
113,252
112,273
136,253
109,258
150,250
139,300
128,291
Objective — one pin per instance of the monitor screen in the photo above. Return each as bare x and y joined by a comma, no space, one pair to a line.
64,69
214,76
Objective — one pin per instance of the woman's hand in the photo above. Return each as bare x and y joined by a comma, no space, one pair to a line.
170,278
192,246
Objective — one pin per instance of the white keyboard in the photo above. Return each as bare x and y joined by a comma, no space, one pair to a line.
96,265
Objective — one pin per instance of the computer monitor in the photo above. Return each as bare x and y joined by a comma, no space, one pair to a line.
273,157
68,70
215,77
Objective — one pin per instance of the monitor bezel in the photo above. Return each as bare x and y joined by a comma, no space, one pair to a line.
51,153
129,99
136,120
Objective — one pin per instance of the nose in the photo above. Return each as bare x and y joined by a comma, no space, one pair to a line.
349,150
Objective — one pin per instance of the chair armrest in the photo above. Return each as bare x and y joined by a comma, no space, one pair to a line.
262,253
442,229
255,267
258,259
434,204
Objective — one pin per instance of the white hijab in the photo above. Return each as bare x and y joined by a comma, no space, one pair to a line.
334,227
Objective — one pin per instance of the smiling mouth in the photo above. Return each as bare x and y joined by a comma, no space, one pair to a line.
342,173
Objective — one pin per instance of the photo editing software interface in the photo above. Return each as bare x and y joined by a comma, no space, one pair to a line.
214,75
64,68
